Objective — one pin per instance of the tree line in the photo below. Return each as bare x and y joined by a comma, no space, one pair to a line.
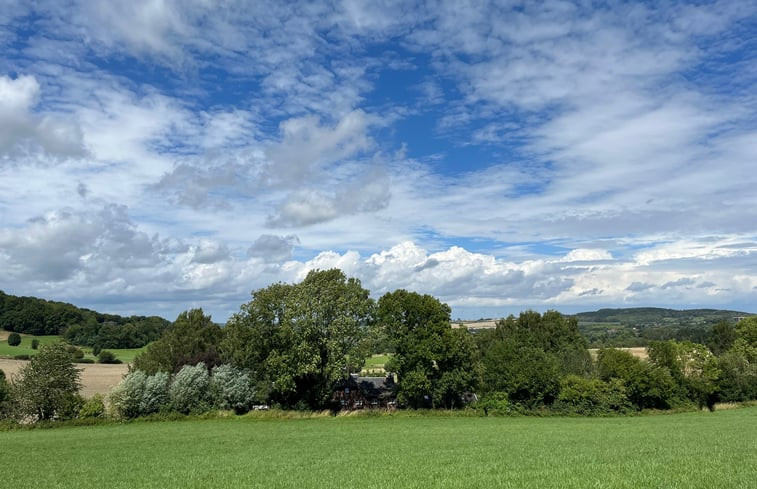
292,343
79,326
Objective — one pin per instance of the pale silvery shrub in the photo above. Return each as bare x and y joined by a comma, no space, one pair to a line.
125,399
189,391
231,389
155,394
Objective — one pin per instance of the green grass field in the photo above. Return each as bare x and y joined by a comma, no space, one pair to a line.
691,450
126,355
25,348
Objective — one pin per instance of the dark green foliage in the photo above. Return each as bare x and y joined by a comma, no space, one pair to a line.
5,395
525,357
530,376
35,316
721,337
191,339
21,357
75,352
581,395
298,340
14,339
35,344
738,373
692,366
106,356
647,385
48,386
435,364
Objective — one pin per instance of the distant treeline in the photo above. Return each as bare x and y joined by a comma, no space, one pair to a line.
34,316
640,326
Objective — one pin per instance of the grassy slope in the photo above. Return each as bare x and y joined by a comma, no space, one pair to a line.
693,450
126,355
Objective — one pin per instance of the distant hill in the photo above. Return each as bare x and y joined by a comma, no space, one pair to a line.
637,326
656,316
80,326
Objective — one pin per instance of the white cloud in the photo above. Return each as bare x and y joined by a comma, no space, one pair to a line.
29,136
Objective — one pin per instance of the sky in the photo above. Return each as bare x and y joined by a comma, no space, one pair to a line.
160,155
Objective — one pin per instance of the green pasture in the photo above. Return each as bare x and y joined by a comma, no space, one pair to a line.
126,355
25,348
375,364
690,450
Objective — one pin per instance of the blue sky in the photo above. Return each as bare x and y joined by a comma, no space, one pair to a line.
162,155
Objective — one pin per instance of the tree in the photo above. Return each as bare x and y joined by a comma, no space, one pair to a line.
647,385
5,394
298,340
435,364
691,365
191,339
48,384
738,373
14,339
746,329
721,337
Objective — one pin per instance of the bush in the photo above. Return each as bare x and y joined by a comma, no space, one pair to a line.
14,339
155,393
75,351
125,399
189,391
84,360
94,407
106,356
231,388
497,404
96,350
21,357
647,386
579,395
35,344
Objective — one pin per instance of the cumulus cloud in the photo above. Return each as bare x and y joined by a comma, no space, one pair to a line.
26,132
274,249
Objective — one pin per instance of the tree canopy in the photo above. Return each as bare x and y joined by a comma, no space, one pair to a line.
299,339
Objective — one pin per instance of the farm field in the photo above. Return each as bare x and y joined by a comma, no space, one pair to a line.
691,450
96,378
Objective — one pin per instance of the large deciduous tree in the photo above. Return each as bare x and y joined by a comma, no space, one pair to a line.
435,364
191,339
47,387
299,339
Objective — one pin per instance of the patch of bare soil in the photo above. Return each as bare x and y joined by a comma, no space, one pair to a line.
4,334
95,378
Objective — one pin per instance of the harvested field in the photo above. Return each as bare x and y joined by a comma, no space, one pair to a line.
637,351
96,378
475,324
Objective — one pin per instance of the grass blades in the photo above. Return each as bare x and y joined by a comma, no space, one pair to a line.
688,450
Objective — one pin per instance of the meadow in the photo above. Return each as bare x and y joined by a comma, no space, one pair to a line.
126,355
686,450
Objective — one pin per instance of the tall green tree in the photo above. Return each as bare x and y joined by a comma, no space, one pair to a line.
48,386
299,339
435,363
191,339
721,337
